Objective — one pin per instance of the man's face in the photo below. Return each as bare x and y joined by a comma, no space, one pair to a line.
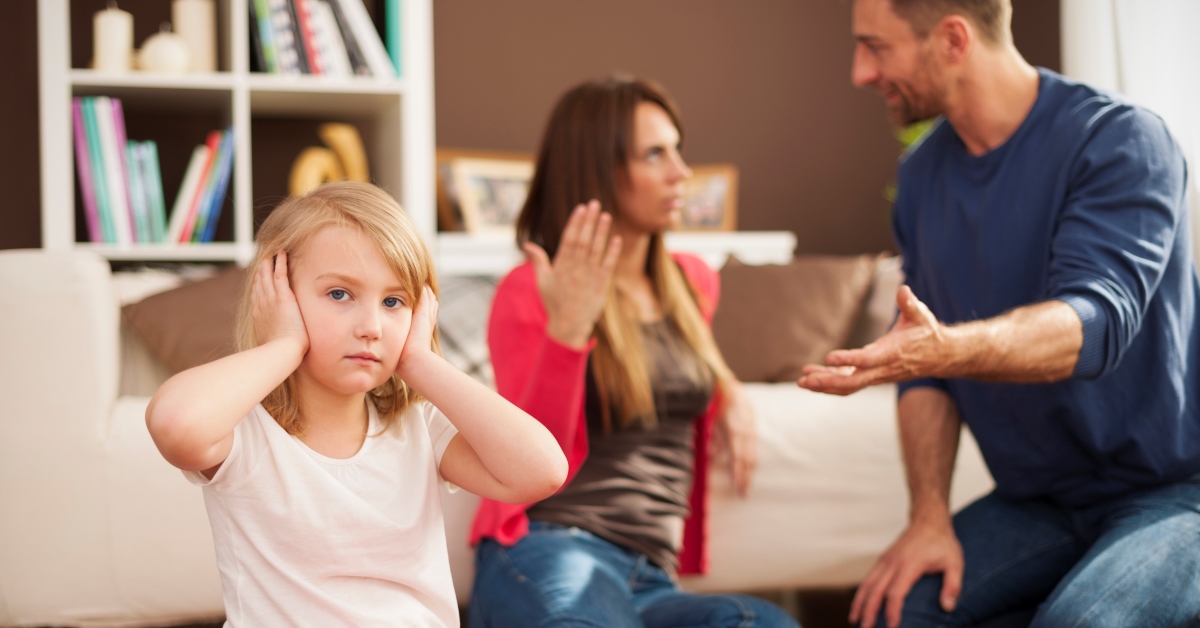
889,57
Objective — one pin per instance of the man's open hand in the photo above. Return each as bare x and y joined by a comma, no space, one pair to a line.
916,346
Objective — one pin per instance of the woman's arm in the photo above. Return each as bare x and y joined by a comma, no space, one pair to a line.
192,415
500,452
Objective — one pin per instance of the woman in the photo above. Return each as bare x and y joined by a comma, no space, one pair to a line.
606,341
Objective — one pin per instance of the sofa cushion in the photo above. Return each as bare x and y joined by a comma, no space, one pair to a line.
192,324
774,319
879,308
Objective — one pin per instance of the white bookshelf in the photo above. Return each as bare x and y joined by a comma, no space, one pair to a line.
398,113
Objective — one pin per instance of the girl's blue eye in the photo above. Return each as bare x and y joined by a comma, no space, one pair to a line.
392,302
337,295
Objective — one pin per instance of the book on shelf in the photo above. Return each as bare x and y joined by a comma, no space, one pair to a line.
99,177
83,167
148,154
391,28
110,154
213,143
137,194
331,50
323,37
119,139
287,56
214,189
262,43
120,181
301,12
192,178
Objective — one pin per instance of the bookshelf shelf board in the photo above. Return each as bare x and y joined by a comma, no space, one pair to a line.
322,84
153,80
211,252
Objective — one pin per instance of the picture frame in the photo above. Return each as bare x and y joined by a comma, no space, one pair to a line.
471,176
710,199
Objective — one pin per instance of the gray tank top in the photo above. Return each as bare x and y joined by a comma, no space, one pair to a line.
633,489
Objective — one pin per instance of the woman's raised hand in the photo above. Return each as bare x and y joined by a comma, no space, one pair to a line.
276,313
575,285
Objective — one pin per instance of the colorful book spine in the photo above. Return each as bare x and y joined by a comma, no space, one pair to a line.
287,56
154,190
223,173
99,176
181,209
137,193
262,15
367,37
136,222
83,168
308,37
213,142
115,179
357,61
391,17
330,47
209,199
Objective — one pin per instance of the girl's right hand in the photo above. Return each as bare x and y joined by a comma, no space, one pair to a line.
276,313
575,285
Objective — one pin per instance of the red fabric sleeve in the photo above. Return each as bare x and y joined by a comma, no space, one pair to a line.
547,380
539,375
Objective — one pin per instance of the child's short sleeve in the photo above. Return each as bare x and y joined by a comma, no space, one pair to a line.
248,437
441,430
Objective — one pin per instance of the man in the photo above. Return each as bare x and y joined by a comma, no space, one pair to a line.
1051,304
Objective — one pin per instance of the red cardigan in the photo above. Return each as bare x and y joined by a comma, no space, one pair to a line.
547,380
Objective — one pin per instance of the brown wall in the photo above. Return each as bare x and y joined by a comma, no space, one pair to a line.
762,83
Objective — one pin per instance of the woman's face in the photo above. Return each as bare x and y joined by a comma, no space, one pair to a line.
652,195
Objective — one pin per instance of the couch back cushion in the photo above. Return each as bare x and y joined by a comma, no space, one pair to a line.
774,319
192,324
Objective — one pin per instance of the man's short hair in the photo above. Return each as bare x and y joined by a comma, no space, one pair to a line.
992,17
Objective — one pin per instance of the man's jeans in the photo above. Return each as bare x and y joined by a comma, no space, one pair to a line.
558,576
1130,561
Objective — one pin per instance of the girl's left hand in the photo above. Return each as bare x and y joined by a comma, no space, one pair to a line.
420,332
737,431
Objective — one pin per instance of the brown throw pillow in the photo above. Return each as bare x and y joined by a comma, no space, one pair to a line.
772,320
192,324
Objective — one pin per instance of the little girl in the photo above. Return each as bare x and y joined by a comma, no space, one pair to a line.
320,444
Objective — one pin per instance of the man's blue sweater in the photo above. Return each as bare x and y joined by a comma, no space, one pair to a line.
1085,204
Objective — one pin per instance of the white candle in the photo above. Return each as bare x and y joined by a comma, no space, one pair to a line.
196,21
112,36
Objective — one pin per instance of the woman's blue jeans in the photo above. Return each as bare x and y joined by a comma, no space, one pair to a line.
1130,561
558,576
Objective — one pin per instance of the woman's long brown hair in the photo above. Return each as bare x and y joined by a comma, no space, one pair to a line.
585,155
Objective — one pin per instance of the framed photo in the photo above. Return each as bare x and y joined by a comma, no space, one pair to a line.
491,184
710,199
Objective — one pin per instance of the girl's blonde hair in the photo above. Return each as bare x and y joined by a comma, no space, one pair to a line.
373,213
584,155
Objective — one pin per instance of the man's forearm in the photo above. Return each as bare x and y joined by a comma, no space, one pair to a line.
1030,344
929,429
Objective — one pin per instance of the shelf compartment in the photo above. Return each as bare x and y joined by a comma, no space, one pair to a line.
306,99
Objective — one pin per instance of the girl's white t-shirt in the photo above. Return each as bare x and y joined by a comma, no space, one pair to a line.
307,540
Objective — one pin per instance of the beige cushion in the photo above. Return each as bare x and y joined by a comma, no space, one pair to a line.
772,319
190,325
879,308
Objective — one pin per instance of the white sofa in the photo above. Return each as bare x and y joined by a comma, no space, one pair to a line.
96,529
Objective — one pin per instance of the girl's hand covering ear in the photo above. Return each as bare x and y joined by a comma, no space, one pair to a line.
276,313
